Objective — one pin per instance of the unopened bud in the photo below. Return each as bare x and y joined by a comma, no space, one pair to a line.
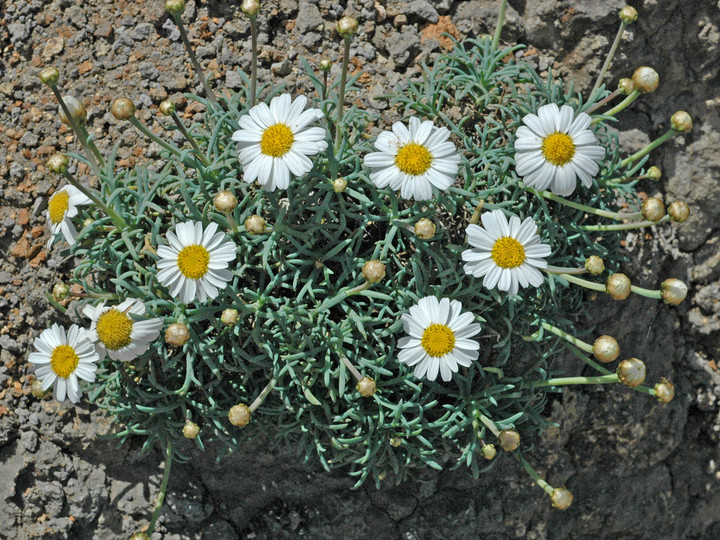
140,536
123,109
36,389
679,211
673,291
425,229
167,107
664,391
561,498
60,291
395,442
325,64
250,7
77,111
225,201
628,14
366,387
239,415
49,75
653,209
509,440
631,372
646,79
177,334
681,122
626,86
373,271
190,430
347,26
176,7
230,316
255,224
595,265
58,163
606,349
618,286
339,185
488,451
654,173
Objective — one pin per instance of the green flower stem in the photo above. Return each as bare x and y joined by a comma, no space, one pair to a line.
609,58
640,153
567,337
265,392
601,369
625,226
117,218
193,60
490,425
253,67
169,451
583,282
342,295
572,204
499,27
561,270
388,240
615,93
619,107
535,476
352,368
565,381
647,293
189,138
91,145
150,135
341,91
325,85
233,223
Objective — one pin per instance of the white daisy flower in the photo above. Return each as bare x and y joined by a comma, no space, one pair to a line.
438,338
195,263
507,254
61,207
118,334
554,148
413,159
62,358
275,141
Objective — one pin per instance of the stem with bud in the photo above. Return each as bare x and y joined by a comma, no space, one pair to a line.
640,153
619,107
341,92
535,476
625,226
609,58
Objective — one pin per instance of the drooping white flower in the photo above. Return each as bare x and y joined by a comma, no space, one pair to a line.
508,254
118,334
62,358
276,141
554,148
194,265
438,338
414,159
62,206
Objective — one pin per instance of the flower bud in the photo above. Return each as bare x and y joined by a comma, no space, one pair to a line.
167,107
176,7
626,86
395,442
140,536
509,439
653,209
230,316
654,173
49,75
595,265
646,79
250,7
373,271
190,430
631,372
606,349
366,386
325,64
177,334
123,109
239,415
425,229
681,122
618,286
58,163
225,201
488,451
339,185
77,111
36,389
664,391
679,211
255,225
628,14
561,498
60,291
347,26
673,291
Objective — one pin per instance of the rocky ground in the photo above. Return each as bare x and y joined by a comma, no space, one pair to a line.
638,469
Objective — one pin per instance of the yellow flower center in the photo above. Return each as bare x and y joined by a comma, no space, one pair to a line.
58,206
558,148
64,360
438,340
508,252
413,159
114,329
276,140
193,261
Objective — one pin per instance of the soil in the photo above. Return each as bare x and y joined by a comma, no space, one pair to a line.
637,468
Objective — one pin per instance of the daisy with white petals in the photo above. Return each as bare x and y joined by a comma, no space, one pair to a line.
116,333
62,358
438,339
413,159
194,265
62,206
555,147
508,254
275,141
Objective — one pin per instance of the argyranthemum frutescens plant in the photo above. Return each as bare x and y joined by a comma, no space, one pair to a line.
381,303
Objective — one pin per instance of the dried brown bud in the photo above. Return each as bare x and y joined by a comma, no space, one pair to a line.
646,79
488,451
654,173
49,75
681,122
373,271
250,7
366,386
679,211
325,64
653,209
36,389
167,107
339,185
230,316
509,440
225,201
595,265
176,7
122,109
255,224
561,498
177,334
347,26
664,391
626,86
239,415
425,229
190,430
631,372
628,14
618,286
77,111
606,349
673,291
58,163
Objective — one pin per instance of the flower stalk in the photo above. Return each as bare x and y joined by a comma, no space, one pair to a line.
619,107
610,56
341,91
625,226
535,476
90,194
181,127
169,452
649,148
499,27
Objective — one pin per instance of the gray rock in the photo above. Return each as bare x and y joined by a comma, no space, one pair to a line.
308,18
421,10
403,46
233,80
282,68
